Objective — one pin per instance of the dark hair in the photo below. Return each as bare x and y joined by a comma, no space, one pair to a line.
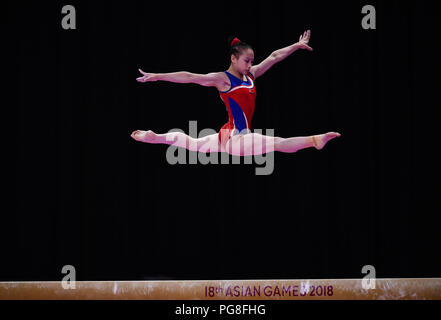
237,48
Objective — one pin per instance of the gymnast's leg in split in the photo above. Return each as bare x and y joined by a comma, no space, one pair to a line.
204,144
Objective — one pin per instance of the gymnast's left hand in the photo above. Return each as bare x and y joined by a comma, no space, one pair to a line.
146,77
304,40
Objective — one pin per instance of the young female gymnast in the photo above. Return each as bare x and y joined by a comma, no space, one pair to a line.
236,87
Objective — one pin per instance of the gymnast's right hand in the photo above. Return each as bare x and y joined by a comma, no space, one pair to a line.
146,77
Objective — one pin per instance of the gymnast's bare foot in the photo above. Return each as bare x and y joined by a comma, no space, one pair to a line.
321,140
144,136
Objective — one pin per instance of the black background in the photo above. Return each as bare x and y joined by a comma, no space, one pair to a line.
83,193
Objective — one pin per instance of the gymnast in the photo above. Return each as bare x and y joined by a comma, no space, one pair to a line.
237,90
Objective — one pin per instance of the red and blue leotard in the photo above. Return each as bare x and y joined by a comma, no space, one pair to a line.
239,101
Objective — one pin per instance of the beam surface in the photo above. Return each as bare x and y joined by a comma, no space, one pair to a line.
337,289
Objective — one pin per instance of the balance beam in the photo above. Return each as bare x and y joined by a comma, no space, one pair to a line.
337,289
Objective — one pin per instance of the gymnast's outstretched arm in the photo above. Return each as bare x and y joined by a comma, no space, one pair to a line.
281,54
206,80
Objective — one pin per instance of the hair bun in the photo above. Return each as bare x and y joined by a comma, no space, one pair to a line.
234,41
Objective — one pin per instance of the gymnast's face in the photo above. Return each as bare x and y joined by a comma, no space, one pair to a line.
245,61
